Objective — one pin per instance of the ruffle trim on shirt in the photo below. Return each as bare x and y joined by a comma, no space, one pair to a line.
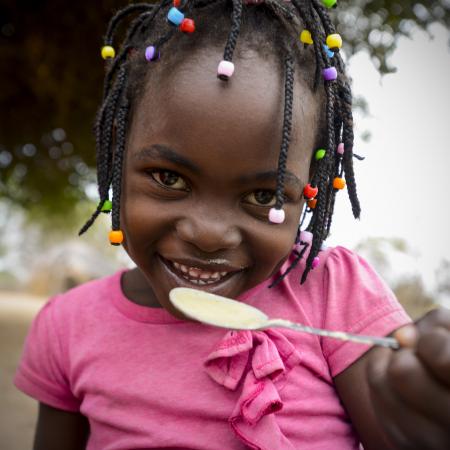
262,359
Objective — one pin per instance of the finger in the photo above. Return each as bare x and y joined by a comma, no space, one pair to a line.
417,388
406,428
439,317
433,349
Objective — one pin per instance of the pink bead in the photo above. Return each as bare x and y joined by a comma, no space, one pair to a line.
315,262
276,215
225,69
341,148
306,236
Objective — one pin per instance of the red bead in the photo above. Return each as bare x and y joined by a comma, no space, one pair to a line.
176,3
309,191
187,26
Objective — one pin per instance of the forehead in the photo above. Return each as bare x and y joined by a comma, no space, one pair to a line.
190,106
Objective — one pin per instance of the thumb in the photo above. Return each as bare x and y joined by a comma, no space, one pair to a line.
407,335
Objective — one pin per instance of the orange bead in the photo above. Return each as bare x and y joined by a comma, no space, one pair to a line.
339,183
176,3
312,203
116,237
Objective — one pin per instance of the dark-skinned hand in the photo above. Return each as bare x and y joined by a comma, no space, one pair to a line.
410,387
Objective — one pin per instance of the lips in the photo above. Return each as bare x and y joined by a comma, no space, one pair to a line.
200,276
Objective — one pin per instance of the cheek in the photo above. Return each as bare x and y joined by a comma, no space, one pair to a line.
272,245
143,221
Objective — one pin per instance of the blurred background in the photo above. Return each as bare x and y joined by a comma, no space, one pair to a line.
51,76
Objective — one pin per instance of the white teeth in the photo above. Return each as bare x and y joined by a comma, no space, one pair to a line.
199,276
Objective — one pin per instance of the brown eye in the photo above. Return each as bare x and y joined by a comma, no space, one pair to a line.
169,179
261,198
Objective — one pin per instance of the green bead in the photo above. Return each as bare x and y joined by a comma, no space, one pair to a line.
107,206
320,154
329,3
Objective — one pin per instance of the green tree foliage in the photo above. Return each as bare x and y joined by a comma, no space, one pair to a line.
51,82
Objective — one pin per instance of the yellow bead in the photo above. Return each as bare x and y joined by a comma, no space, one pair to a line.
115,237
108,52
339,183
305,37
334,41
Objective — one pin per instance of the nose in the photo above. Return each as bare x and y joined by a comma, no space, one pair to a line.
209,232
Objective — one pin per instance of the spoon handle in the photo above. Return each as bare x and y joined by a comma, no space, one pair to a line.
374,340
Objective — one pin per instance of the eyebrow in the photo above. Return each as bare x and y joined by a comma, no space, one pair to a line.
271,175
158,151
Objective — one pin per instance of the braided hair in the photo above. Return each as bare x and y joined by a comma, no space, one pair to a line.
161,31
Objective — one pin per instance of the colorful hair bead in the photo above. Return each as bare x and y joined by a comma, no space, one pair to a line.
341,148
187,26
315,262
334,42
329,3
276,215
115,237
225,70
339,183
175,16
330,73
176,3
310,192
306,38
320,154
108,52
306,236
329,53
312,203
151,54
107,206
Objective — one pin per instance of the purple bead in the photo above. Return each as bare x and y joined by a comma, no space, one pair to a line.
330,73
151,54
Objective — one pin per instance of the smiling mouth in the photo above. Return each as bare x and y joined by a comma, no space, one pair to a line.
199,276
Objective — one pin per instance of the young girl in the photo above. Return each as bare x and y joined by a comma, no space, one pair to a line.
212,156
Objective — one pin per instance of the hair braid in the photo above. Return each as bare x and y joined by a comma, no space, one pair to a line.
346,102
122,14
287,128
104,131
236,16
118,162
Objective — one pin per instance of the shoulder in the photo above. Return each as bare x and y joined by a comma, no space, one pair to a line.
345,293
83,301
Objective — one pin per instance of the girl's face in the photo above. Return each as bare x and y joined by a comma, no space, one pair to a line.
200,174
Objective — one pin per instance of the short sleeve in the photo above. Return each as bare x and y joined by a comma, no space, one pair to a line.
42,370
357,301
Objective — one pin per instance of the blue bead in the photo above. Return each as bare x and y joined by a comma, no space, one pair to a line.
329,53
175,16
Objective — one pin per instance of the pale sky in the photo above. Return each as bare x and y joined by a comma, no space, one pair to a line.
404,183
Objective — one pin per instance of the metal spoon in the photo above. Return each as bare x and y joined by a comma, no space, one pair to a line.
226,313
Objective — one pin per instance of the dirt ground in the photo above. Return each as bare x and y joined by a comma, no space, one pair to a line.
17,411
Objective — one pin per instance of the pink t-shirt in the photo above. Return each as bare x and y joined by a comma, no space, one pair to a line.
148,380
